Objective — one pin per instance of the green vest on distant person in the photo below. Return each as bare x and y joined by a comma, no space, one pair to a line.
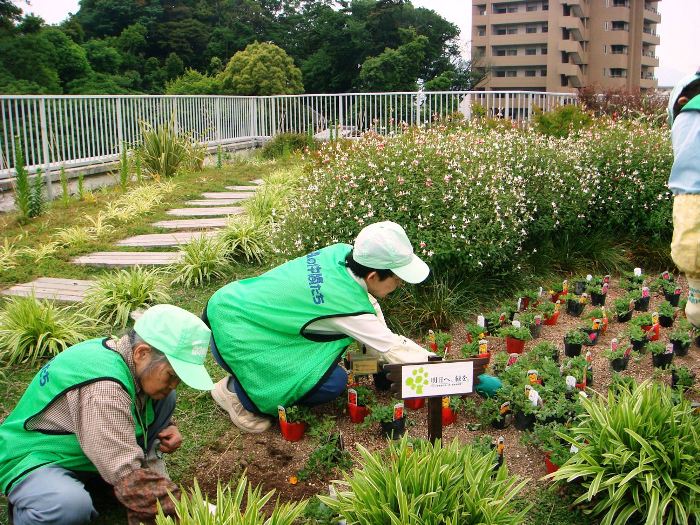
23,450
258,325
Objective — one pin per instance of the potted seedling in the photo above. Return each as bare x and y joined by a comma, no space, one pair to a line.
638,338
549,312
577,368
579,285
294,421
618,355
475,332
359,401
440,342
576,304
649,324
515,338
559,289
672,293
592,332
391,420
680,338
624,307
661,354
450,407
598,291
493,412
682,378
573,341
526,298
641,304
533,321
632,280
525,403
667,314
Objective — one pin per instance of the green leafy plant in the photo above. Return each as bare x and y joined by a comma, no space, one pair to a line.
426,484
632,282
32,329
521,333
470,349
219,157
684,377
73,236
285,143
656,347
124,168
635,333
615,354
115,295
325,458
666,310
562,121
203,259
379,413
546,437
643,319
634,461
546,309
22,185
575,366
681,334
37,201
81,186
442,340
241,505
300,414
365,396
162,151
622,304
246,239
8,255
575,337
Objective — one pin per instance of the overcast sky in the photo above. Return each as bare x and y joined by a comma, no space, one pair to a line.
679,52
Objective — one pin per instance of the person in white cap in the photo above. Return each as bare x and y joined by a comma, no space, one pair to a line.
280,335
102,409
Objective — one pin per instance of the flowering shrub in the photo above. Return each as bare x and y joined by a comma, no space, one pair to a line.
474,198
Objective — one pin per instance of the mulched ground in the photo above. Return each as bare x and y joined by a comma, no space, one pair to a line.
271,461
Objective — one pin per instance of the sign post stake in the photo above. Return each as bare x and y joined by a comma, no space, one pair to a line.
434,412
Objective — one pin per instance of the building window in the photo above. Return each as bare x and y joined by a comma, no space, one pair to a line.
499,10
513,30
531,29
543,51
511,52
617,72
531,7
620,3
618,50
545,28
513,9
531,51
511,73
500,31
619,25
500,53
543,72
545,7
500,73
481,31
530,73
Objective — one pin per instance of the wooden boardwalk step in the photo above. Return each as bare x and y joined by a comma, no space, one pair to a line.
247,189
68,290
183,224
120,259
240,195
258,181
213,202
205,212
164,239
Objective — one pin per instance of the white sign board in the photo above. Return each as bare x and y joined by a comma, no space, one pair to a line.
437,379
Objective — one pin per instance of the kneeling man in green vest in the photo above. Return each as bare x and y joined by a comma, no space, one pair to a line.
281,335
102,409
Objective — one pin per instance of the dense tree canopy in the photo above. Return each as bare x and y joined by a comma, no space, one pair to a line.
117,46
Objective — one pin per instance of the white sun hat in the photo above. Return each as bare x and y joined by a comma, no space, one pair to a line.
385,246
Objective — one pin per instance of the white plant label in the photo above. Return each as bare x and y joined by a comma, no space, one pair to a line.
638,272
516,323
437,379
481,321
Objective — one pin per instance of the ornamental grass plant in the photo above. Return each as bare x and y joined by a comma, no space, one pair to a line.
163,152
427,484
31,329
638,457
239,505
115,295
246,239
203,259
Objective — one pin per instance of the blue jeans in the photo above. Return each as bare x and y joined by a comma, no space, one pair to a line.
57,496
333,385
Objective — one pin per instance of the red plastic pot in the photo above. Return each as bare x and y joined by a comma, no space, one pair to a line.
487,355
357,413
555,296
655,331
551,321
292,431
414,403
448,416
551,467
514,346
524,302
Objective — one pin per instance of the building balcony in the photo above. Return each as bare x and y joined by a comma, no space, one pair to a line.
575,26
578,7
618,13
652,15
510,40
612,38
651,38
574,49
517,83
481,20
521,17
648,83
650,60
519,61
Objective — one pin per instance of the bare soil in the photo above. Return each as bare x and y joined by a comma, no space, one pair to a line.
271,461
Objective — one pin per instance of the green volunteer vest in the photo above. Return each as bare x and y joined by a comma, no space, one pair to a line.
693,105
23,450
258,324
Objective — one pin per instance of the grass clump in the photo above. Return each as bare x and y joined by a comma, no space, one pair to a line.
115,295
32,329
285,144
203,259
162,151
246,239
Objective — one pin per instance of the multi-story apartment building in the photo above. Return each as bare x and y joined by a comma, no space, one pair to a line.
559,45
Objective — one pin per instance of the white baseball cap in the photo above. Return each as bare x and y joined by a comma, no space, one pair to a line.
385,246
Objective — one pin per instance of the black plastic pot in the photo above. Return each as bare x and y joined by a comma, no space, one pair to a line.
679,347
661,360
393,429
502,422
535,330
591,341
381,383
572,350
589,377
666,322
555,355
619,364
625,317
642,304
523,421
598,299
574,308
638,346
579,287
674,381
673,298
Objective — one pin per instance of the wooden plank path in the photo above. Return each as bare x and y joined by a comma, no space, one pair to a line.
213,202
205,212
247,189
68,290
165,239
218,222
240,195
120,259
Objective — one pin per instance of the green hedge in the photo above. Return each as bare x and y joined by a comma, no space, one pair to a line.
476,199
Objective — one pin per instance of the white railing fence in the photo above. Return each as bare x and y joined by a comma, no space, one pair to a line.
56,131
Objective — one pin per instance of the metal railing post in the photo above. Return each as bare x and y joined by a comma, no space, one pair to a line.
217,113
120,129
45,147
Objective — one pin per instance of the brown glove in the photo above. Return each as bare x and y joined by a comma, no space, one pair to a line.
139,492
